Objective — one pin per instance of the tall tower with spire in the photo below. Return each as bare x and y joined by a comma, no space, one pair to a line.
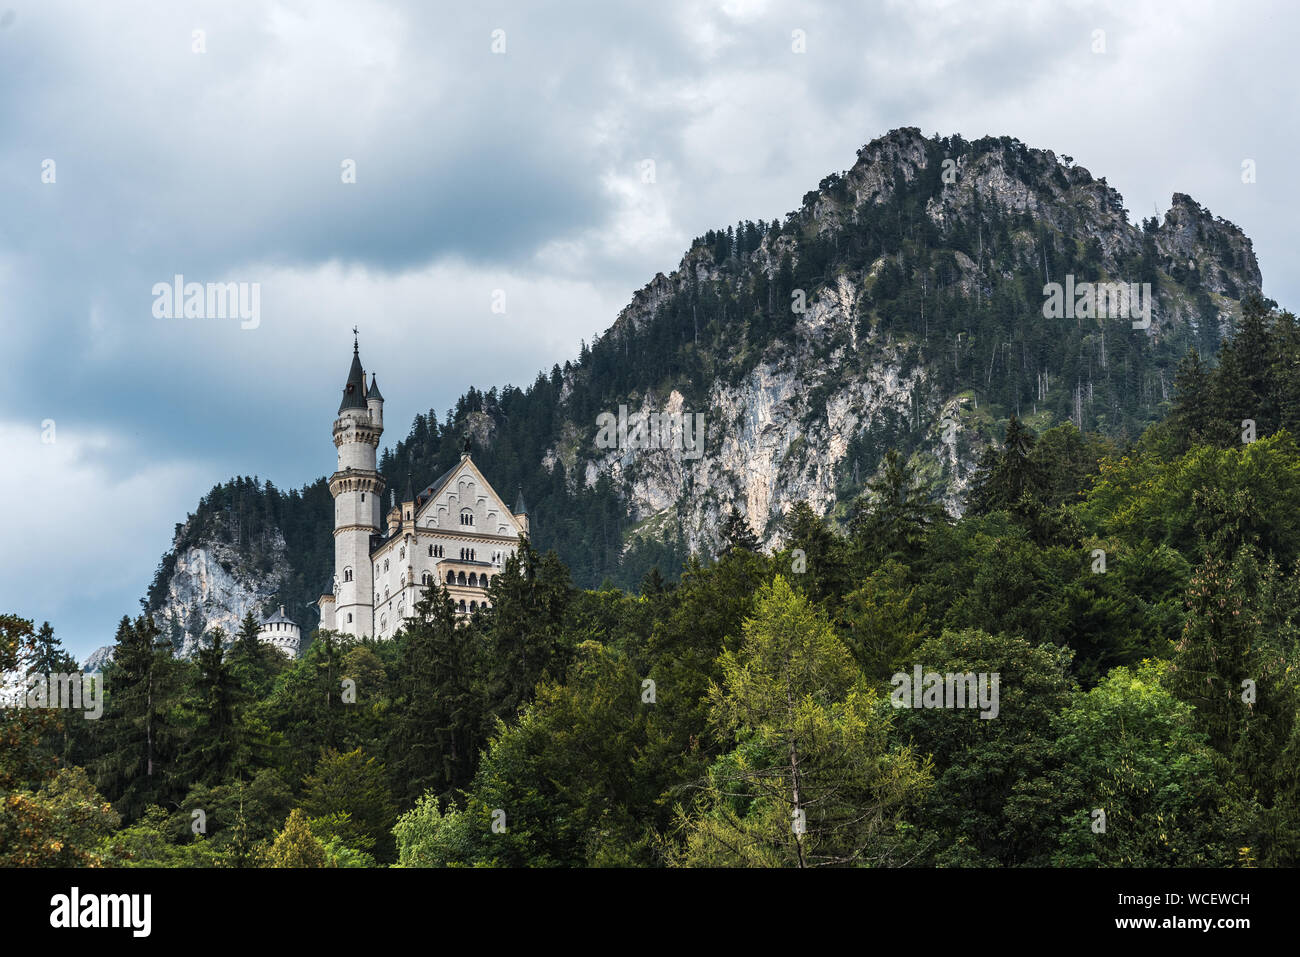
358,490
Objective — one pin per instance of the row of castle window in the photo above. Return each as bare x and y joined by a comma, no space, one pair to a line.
467,517
435,551
453,578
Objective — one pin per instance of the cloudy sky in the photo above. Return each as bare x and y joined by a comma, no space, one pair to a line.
495,147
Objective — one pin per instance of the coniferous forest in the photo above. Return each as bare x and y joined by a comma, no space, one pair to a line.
1137,599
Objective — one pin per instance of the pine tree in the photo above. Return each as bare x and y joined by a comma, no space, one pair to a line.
822,569
893,517
49,657
1191,419
295,845
137,739
438,714
736,533
813,779
215,753
1008,479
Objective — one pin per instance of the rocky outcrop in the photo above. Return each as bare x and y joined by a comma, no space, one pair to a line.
98,659
211,587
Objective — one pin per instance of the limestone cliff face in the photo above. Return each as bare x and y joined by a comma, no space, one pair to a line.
211,586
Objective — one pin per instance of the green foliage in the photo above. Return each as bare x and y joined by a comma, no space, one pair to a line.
350,793
57,825
980,762
1130,750
814,779
295,845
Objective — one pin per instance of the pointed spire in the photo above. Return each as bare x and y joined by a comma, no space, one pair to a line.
409,494
520,507
354,393
373,392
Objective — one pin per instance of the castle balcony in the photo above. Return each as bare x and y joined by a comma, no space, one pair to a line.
458,574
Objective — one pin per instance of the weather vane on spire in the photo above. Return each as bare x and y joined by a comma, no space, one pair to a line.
356,341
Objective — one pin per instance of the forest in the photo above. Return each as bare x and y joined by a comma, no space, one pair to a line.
1138,600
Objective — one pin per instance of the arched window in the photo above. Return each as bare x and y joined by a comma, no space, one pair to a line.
430,551
383,622
466,517
451,578
385,564
473,580
460,578
462,604
347,574
403,553
473,606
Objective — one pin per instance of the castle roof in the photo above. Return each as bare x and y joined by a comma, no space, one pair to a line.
280,616
373,392
354,393
520,507
437,485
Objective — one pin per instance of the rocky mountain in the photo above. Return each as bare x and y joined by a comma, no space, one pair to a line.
98,658
901,306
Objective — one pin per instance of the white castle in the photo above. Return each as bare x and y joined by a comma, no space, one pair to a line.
457,531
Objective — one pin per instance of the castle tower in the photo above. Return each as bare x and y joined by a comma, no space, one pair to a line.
282,632
357,488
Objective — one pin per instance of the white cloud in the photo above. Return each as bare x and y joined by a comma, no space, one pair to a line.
84,517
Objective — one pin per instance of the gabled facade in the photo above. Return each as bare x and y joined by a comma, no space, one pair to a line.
457,531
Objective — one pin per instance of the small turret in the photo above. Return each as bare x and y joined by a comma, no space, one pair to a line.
375,401
394,515
283,633
408,501
521,511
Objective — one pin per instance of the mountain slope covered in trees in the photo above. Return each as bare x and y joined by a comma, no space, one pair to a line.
900,307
